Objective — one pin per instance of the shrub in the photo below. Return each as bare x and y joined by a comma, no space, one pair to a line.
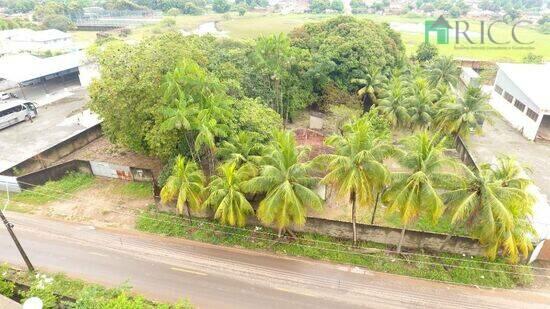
173,12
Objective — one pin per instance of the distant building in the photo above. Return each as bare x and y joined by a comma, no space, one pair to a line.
28,71
26,40
521,95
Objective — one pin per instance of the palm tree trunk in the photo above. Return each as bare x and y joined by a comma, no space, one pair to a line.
353,218
401,239
189,213
190,147
375,206
280,232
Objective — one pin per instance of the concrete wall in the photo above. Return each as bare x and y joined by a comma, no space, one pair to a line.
53,173
53,154
390,236
514,116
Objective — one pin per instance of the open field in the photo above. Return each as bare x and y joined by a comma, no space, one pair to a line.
253,25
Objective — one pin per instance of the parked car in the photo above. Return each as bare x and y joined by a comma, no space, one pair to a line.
7,95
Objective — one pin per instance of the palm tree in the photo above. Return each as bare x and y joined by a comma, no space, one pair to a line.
443,70
393,106
466,114
493,204
241,148
421,110
356,169
414,193
180,115
226,197
185,186
286,182
373,83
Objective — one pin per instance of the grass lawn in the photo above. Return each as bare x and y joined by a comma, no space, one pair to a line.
50,191
445,267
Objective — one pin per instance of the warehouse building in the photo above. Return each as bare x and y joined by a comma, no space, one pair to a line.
521,95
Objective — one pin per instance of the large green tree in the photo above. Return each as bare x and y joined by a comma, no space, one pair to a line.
443,70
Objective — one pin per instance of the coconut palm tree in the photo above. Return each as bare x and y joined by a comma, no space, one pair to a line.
226,197
356,169
413,193
421,109
372,86
493,204
443,70
466,114
393,106
185,186
286,182
241,148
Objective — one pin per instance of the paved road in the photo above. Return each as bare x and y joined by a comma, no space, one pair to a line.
53,124
169,269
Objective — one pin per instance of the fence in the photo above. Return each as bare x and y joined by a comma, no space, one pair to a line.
56,172
464,153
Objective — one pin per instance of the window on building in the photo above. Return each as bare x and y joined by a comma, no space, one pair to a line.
508,97
519,105
498,89
532,114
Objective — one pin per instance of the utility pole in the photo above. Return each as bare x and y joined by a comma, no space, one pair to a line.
12,234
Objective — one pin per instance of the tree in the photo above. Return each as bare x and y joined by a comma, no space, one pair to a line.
493,204
443,70
393,106
533,58
337,5
356,169
221,6
374,82
274,55
185,186
226,197
319,6
420,106
466,114
286,182
58,22
241,9
173,12
414,193
241,148
426,52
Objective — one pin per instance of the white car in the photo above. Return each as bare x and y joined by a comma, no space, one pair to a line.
7,95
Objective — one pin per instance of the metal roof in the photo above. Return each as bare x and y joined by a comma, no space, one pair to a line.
29,35
531,79
24,67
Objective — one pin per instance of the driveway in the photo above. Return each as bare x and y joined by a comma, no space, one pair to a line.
54,123
168,269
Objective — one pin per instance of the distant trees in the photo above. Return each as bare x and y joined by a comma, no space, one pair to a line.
221,6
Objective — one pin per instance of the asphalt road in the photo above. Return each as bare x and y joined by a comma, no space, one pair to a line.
52,125
169,269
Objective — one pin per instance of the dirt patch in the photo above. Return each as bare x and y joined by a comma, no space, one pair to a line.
103,150
102,204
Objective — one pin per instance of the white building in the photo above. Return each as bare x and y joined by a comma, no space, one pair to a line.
26,40
521,94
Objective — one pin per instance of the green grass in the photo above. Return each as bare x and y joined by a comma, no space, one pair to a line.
135,189
457,269
87,295
55,190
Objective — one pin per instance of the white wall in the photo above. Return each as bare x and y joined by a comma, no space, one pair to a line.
514,116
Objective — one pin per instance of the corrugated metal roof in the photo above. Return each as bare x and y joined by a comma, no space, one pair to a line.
532,79
24,67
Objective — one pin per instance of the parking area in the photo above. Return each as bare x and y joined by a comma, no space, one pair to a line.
56,121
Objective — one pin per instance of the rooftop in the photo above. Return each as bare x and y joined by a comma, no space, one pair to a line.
532,79
24,67
29,35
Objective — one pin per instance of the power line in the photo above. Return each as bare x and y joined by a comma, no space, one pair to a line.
273,234
318,241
